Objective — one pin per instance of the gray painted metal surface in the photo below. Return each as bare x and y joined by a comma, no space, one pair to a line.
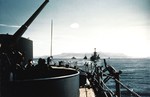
59,86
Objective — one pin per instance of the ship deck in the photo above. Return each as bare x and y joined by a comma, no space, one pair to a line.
86,92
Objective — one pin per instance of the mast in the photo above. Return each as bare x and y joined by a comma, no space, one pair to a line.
51,38
17,35
49,59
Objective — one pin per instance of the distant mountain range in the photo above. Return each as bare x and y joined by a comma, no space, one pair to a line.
81,55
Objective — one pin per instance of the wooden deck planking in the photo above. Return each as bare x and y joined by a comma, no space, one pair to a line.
85,92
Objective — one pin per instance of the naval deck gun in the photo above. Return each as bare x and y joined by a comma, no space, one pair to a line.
55,83
11,46
17,42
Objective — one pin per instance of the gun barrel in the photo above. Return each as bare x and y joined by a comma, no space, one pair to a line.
17,35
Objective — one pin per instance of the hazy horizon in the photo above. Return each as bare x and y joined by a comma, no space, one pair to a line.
89,54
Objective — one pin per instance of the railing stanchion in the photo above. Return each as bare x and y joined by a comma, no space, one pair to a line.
118,92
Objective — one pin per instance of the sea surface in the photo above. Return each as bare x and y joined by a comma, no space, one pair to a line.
135,74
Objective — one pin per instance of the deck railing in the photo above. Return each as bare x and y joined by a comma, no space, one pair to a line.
100,75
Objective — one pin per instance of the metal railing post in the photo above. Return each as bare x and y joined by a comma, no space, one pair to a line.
118,92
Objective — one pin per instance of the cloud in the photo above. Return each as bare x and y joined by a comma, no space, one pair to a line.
11,26
75,25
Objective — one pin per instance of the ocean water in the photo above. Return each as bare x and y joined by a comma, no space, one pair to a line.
135,74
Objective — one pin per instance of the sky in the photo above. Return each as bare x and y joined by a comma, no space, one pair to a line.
79,26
